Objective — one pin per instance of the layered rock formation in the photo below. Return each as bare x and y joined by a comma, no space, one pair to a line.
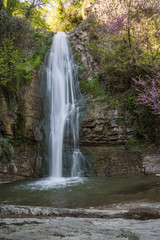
22,150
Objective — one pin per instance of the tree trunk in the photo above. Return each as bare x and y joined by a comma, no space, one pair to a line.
30,9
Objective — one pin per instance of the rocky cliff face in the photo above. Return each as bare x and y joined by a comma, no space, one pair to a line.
103,139
80,39
105,130
22,145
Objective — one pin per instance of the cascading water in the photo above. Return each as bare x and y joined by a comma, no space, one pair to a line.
62,86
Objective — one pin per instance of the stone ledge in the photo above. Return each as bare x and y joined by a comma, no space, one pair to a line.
138,211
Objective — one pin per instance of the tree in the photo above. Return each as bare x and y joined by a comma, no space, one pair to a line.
34,11
31,5
148,89
134,20
11,6
66,15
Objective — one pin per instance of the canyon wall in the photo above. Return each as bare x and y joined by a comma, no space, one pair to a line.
22,140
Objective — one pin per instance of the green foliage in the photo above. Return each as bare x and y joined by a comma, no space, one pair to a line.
130,235
117,62
92,87
7,149
113,101
33,10
15,66
145,124
12,6
43,41
110,62
136,145
66,16
37,20
1,5
30,6
17,29
12,67
129,50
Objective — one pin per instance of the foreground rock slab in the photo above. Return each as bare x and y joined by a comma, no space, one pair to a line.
117,222
69,228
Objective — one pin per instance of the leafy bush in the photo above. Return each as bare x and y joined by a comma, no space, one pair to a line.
145,124
43,41
148,90
7,149
92,87
17,29
12,67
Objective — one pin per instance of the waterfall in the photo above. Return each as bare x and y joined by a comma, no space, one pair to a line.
62,92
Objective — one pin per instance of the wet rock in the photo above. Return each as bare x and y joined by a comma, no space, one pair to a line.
78,228
151,163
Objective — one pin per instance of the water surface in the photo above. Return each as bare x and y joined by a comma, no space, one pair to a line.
81,192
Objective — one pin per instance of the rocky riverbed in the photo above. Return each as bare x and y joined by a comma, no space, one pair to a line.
131,221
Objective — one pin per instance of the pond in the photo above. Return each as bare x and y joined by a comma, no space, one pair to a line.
80,192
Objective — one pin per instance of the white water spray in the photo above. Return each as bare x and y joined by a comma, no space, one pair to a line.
63,105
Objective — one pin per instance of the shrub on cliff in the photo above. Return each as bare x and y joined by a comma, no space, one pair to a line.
148,90
12,66
22,49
